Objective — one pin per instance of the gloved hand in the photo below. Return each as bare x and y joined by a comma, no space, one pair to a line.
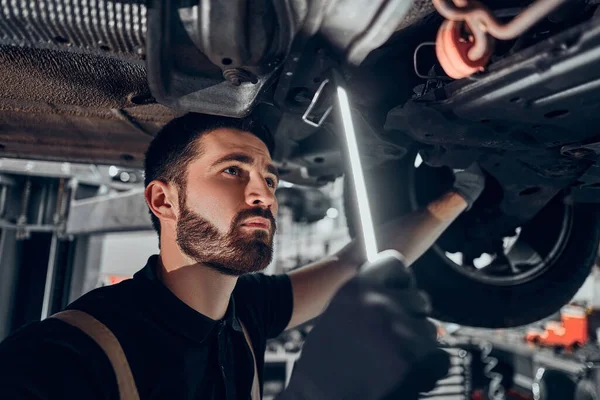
469,183
373,340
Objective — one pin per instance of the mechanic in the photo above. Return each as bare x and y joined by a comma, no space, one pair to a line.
185,321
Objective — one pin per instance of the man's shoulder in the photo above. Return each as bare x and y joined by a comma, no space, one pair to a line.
122,307
109,297
112,296
39,355
53,332
57,345
46,334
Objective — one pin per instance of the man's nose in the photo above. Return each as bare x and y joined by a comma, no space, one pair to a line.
259,193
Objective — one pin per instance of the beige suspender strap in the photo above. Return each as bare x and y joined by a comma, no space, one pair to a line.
111,346
255,385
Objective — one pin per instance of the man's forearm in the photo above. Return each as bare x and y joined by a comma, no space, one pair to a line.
412,234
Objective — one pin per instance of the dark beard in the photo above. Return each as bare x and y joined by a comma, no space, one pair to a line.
234,253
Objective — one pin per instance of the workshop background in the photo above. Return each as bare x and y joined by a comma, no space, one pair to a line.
106,237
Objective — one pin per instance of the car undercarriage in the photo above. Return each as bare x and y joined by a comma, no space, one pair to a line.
92,82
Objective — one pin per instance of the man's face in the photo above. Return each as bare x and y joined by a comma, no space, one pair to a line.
226,217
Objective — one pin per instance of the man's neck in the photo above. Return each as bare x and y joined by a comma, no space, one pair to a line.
200,287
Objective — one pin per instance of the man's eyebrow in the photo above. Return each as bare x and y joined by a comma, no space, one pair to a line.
239,157
244,159
272,169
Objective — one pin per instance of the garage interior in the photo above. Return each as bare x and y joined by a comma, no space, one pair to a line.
69,228
86,85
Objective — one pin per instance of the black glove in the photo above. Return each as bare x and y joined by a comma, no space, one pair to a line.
469,183
373,339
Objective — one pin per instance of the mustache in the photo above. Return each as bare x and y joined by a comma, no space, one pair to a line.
255,212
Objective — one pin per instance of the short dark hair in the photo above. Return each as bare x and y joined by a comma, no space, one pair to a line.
175,146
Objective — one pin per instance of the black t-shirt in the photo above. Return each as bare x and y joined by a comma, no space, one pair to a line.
174,351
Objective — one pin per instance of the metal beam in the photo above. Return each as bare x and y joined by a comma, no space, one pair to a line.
122,212
49,287
90,174
8,279
86,265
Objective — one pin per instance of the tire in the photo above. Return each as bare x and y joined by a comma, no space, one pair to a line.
459,298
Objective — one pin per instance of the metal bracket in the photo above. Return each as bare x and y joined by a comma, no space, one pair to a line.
313,103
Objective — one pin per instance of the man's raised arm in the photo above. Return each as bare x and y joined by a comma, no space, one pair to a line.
412,235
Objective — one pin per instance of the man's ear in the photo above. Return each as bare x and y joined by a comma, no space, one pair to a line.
162,200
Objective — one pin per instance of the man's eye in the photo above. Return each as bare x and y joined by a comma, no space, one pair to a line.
271,182
232,171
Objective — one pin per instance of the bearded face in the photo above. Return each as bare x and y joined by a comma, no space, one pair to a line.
237,252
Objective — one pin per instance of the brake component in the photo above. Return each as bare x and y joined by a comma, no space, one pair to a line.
465,41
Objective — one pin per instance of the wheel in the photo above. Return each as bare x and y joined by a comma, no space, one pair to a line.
485,270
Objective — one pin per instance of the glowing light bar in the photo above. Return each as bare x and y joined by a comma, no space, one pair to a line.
366,220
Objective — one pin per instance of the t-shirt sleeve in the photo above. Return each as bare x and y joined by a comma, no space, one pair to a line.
268,299
44,361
